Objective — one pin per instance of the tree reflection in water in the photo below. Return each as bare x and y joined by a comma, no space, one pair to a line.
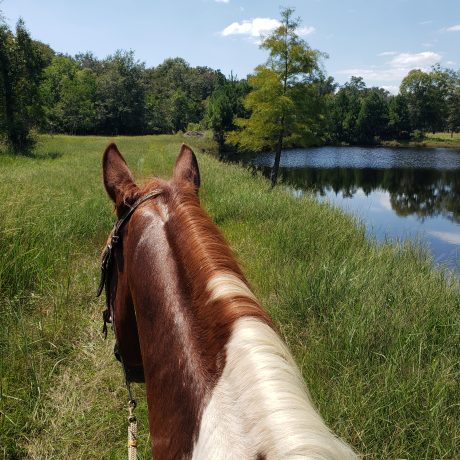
421,192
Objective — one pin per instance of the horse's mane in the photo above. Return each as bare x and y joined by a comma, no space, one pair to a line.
219,291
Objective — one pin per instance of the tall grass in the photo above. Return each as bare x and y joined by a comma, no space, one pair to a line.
373,327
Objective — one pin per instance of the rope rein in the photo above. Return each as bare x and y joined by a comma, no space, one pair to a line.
108,313
132,420
132,431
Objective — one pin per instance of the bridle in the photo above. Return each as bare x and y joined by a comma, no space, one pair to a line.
107,259
108,313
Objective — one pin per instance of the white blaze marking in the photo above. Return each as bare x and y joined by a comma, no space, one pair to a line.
160,210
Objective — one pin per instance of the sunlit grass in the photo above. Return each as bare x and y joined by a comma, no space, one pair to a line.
447,139
374,328
431,140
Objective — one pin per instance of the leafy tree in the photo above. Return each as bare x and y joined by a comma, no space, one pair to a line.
120,95
399,126
181,110
46,52
5,80
345,111
21,65
278,101
68,93
426,99
224,105
317,95
373,115
176,94
453,117
453,102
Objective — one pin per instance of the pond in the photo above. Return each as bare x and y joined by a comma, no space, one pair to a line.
398,193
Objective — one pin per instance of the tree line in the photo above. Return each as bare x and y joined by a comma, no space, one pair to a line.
49,92
288,101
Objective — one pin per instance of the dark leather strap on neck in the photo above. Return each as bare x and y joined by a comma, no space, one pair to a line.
107,257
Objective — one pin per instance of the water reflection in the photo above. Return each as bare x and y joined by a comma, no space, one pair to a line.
422,192
402,194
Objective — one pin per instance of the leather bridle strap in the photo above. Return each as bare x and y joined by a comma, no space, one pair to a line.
107,256
108,314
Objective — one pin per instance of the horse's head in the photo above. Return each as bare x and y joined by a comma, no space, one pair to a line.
141,254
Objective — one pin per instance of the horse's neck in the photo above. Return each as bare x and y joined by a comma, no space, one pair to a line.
181,289
220,382
175,375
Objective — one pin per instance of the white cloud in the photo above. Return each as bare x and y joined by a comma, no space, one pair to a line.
375,74
415,59
388,53
395,69
448,237
257,27
384,200
455,28
392,89
254,28
424,23
305,31
222,1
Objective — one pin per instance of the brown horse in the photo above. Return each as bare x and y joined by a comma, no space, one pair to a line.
220,382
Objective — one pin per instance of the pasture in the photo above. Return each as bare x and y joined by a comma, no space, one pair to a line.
443,140
431,140
374,328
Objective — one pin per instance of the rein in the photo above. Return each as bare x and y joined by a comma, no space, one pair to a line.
108,313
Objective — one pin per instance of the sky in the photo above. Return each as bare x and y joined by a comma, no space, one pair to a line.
380,40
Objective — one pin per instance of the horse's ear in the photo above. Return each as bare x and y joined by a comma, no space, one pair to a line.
118,179
186,167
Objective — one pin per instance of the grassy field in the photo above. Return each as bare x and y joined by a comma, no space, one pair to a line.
431,140
374,328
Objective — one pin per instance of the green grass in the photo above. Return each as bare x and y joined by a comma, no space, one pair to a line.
443,140
431,141
374,328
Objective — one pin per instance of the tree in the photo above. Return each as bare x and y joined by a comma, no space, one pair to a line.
278,100
224,105
345,111
426,99
68,95
176,94
120,95
398,118
453,103
21,65
373,115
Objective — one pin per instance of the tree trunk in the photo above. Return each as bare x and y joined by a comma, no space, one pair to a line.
276,164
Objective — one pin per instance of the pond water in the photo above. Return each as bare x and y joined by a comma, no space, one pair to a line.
398,193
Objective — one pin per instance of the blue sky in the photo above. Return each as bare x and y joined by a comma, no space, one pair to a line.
380,40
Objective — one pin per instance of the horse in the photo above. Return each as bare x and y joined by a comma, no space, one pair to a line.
220,382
